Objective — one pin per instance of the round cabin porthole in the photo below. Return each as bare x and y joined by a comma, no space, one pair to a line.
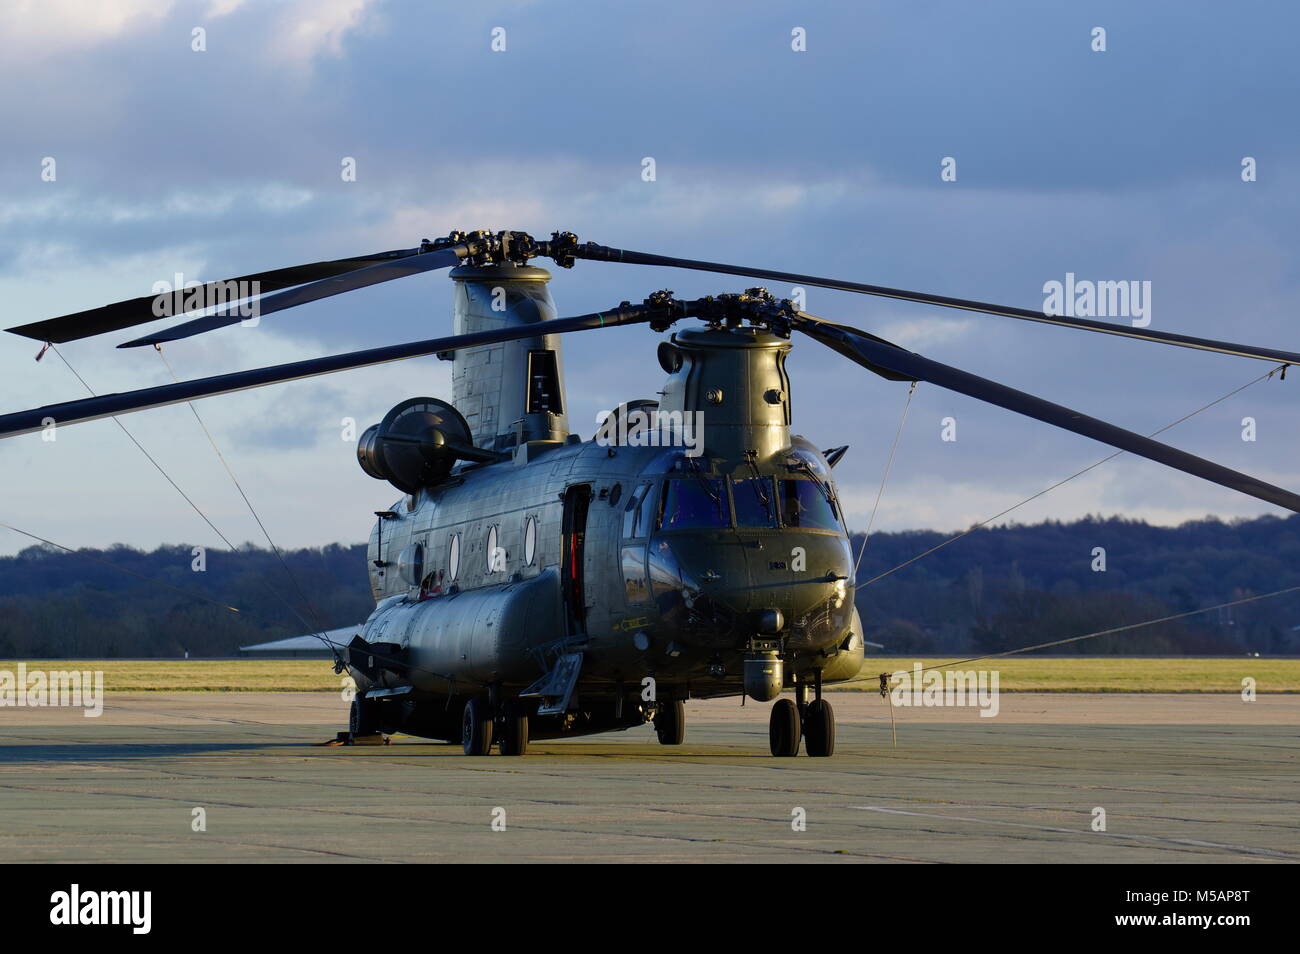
410,564
530,540
453,557
495,559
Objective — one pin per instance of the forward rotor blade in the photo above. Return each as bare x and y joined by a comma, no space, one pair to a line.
875,354
325,288
606,254
139,311
108,405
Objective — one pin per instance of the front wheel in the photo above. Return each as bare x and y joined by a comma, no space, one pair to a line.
783,728
819,728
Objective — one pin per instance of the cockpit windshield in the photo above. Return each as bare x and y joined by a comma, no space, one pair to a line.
804,504
755,502
692,502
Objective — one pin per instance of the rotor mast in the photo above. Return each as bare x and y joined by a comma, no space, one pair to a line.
510,392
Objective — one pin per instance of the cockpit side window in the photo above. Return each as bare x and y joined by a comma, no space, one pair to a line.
638,515
645,520
631,510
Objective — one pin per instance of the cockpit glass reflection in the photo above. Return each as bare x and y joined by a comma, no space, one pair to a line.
804,504
754,500
692,502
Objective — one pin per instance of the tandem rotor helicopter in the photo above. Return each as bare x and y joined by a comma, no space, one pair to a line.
530,583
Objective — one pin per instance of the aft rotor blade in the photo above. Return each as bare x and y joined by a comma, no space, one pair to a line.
604,253
139,311
325,288
109,405
875,354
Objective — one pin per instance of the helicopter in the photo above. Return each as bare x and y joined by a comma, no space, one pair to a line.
530,584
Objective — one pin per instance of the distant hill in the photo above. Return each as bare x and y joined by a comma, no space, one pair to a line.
1003,588
994,589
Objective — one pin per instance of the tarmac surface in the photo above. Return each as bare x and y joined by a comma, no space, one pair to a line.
1182,779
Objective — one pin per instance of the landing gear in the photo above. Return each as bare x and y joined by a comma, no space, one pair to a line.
819,728
670,722
783,728
514,730
476,728
813,721
363,717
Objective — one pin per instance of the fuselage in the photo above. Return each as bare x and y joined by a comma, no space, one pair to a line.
678,566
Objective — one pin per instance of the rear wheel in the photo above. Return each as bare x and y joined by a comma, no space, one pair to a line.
363,719
476,728
670,722
819,728
514,730
783,728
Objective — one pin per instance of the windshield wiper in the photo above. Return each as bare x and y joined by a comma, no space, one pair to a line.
801,464
758,484
704,483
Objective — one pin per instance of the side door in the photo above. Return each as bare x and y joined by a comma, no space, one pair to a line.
577,502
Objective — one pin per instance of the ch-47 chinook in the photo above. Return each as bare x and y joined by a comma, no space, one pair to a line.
532,583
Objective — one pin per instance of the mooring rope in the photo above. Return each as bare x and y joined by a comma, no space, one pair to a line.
884,478
880,576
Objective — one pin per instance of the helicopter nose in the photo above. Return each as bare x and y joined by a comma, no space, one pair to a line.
781,584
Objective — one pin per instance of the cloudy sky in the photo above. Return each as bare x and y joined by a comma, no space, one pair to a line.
1117,165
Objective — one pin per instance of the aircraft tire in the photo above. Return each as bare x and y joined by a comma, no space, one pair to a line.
514,731
819,728
476,728
670,722
783,728
362,717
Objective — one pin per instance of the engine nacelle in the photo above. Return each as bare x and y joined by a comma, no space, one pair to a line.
416,444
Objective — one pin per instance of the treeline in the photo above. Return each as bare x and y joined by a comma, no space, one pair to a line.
1008,587
992,590
123,602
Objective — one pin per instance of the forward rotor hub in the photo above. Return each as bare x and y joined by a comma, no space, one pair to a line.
498,248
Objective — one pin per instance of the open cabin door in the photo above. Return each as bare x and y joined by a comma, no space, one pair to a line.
577,500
